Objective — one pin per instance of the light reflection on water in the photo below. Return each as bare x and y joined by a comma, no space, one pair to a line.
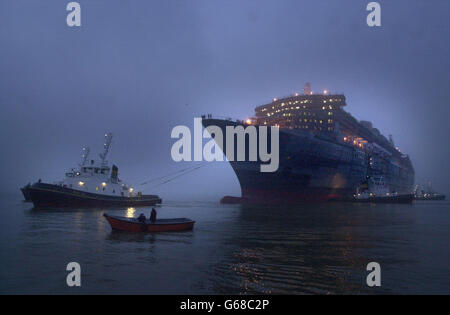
306,249
130,212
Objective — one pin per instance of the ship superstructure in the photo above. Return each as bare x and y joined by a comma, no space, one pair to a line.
325,153
97,176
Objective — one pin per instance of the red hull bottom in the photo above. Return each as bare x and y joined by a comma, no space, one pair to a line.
278,197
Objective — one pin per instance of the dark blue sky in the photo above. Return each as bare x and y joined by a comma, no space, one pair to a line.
139,68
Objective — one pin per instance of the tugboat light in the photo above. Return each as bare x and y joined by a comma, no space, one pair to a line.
104,184
81,184
131,190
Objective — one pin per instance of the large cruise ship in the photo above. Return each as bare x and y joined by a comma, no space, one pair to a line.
325,153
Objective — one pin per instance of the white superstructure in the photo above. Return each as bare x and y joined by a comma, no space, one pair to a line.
96,176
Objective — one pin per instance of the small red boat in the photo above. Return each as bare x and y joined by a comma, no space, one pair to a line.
161,225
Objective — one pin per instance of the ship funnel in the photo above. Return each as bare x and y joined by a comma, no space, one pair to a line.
307,89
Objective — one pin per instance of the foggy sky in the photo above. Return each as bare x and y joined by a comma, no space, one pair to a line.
139,68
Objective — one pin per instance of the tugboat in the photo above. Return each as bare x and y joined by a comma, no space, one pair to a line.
375,190
430,194
93,184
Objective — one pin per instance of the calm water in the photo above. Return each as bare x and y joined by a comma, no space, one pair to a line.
306,249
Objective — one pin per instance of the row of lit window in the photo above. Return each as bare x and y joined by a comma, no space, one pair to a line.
301,102
359,143
330,121
332,100
288,103
292,108
301,113
83,184
313,127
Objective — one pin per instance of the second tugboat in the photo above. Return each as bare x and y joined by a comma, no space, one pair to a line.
375,190
93,184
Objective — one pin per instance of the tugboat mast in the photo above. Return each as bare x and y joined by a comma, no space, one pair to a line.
106,146
84,155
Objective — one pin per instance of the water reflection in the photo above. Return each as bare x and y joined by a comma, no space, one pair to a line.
232,249
303,249
130,212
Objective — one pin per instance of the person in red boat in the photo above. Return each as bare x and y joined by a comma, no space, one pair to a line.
153,215
141,218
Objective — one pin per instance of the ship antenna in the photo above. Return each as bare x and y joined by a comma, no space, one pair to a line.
84,155
106,146
307,89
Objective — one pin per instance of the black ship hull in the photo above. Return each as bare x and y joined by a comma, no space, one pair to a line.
430,198
312,168
51,196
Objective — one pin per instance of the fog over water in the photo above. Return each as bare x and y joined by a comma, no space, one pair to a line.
139,68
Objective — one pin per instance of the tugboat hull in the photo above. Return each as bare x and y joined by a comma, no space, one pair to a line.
407,198
432,197
47,195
